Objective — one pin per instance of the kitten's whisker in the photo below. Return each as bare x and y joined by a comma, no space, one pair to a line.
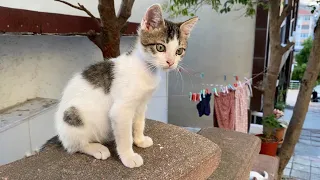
189,68
190,76
182,81
177,79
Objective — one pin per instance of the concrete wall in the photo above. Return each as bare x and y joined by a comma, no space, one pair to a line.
219,45
40,66
56,7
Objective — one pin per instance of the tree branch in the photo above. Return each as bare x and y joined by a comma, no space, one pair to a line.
286,11
95,38
124,12
107,13
82,8
287,47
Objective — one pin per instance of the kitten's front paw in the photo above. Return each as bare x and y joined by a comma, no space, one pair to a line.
132,160
144,143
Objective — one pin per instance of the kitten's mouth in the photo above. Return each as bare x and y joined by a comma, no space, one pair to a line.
168,68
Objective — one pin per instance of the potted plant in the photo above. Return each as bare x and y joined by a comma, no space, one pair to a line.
280,105
269,142
280,132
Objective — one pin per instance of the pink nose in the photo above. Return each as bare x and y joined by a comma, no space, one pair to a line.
170,63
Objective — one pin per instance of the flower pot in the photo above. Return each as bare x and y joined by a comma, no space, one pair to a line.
268,148
280,133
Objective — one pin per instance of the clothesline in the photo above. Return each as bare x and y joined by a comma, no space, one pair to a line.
230,109
218,85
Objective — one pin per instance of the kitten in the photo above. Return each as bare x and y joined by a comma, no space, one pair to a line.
108,100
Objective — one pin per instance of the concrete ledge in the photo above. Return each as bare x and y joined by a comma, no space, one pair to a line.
238,153
176,154
267,163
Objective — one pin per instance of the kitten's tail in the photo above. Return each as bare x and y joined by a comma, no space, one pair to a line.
54,141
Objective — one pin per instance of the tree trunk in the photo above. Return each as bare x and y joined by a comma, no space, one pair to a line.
111,25
302,104
110,43
275,58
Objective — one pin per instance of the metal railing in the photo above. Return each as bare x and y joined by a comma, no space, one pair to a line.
294,84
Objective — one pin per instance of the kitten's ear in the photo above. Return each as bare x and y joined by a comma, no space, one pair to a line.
152,18
187,26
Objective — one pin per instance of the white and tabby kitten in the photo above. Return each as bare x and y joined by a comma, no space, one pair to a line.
108,100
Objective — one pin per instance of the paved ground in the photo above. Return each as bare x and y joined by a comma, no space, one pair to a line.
305,164
312,120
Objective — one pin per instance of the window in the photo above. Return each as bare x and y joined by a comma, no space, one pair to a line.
283,33
306,18
304,35
305,27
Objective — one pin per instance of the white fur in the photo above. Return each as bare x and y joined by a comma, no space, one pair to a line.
258,176
118,115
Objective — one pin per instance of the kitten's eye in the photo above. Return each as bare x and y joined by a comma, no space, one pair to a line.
179,51
160,47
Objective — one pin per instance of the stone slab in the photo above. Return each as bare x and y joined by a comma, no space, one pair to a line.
267,163
18,113
176,154
238,152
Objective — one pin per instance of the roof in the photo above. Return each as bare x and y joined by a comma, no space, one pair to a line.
25,21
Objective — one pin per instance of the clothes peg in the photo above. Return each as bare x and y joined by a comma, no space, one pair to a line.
227,89
225,78
221,88
249,85
190,96
215,91
201,75
194,97
197,97
200,97
231,87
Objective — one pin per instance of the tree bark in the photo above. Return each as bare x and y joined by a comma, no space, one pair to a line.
108,39
275,58
301,107
276,53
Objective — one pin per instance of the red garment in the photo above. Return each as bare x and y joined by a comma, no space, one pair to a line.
224,112
241,109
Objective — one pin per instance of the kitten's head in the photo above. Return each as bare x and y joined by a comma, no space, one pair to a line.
164,41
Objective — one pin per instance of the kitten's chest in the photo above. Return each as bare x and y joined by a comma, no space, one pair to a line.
145,83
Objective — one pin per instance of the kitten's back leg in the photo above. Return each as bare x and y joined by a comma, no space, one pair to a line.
96,150
76,136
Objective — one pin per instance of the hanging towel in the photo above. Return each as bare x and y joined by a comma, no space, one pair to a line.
224,113
241,109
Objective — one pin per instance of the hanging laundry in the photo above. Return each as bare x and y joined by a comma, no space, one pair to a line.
241,109
224,110
204,106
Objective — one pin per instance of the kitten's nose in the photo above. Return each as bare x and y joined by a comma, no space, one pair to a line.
170,63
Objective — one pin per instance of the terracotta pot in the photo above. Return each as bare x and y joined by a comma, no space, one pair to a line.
268,148
280,133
